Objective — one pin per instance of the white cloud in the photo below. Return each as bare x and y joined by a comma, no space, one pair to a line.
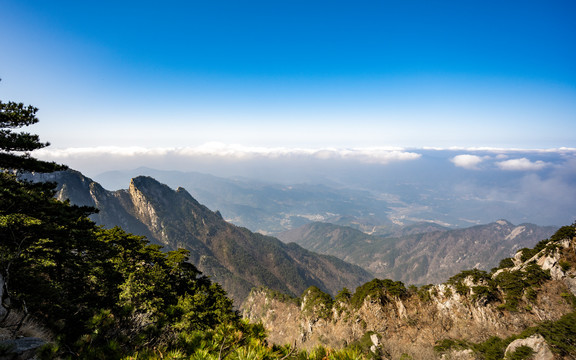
501,151
522,164
467,161
378,155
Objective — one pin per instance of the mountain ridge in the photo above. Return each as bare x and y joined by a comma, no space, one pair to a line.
233,256
420,258
531,293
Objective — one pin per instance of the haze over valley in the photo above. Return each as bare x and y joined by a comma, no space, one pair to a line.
378,189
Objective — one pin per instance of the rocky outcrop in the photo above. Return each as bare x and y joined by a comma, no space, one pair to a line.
418,319
540,349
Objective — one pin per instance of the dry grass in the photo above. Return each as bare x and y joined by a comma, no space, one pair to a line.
29,328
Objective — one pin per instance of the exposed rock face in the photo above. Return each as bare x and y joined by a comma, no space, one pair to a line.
20,349
422,258
466,354
419,321
235,257
541,350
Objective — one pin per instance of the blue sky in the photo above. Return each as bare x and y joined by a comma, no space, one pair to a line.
312,74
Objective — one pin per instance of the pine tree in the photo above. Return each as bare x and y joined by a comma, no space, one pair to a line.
15,147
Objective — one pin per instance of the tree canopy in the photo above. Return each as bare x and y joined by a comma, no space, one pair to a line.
99,290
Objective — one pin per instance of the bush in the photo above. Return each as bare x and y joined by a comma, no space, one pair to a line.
506,263
316,302
565,232
424,293
521,353
379,291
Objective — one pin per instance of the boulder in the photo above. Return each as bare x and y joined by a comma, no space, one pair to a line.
537,343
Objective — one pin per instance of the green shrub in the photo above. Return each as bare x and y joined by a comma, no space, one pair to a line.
343,295
485,294
564,265
491,349
506,263
378,290
475,274
521,353
446,345
565,232
424,293
317,303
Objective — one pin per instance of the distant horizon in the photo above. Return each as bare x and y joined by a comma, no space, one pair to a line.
83,158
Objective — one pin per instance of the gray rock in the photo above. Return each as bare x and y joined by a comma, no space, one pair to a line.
537,343
465,354
20,349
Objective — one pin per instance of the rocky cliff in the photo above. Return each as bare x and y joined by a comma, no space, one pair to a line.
471,307
233,256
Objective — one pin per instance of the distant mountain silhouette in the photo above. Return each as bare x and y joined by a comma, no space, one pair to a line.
422,253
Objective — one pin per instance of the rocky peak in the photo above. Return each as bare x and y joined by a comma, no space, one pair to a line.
472,306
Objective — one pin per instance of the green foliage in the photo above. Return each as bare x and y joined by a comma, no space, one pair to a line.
379,291
564,265
364,346
343,295
15,147
527,254
506,263
446,345
424,293
102,292
277,295
560,335
475,274
316,303
570,298
565,232
515,284
521,353
484,294
491,349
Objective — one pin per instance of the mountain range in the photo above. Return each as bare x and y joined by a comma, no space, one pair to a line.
270,207
233,256
421,253
240,259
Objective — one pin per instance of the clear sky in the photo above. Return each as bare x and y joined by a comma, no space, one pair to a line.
294,73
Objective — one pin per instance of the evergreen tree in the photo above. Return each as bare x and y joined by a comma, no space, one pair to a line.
15,147
100,291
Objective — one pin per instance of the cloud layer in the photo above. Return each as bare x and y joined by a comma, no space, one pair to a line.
377,155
